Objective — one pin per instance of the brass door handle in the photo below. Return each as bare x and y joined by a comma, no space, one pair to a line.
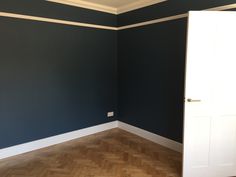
191,100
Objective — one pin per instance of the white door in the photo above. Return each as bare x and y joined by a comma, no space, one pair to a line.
210,105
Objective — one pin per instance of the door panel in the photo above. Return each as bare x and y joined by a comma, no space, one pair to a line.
200,153
210,117
224,140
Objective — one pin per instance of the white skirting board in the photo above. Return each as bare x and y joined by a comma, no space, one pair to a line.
171,144
42,143
46,142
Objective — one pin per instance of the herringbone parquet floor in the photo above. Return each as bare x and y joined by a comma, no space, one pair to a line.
113,153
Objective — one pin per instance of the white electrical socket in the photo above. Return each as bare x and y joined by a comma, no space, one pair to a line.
110,114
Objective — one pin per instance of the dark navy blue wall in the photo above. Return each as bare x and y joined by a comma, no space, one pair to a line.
57,78
151,67
151,72
54,79
47,9
168,8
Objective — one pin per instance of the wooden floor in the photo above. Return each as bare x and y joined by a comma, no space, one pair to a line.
114,153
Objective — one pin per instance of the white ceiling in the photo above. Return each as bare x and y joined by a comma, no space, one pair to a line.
110,6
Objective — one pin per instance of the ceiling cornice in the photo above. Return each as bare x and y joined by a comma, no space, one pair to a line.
108,9
137,5
87,5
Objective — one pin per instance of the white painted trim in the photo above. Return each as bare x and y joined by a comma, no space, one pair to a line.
108,9
87,5
46,142
226,7
137,5
175,17
72,23
51,20
171,144
126,8
42,143
154,21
